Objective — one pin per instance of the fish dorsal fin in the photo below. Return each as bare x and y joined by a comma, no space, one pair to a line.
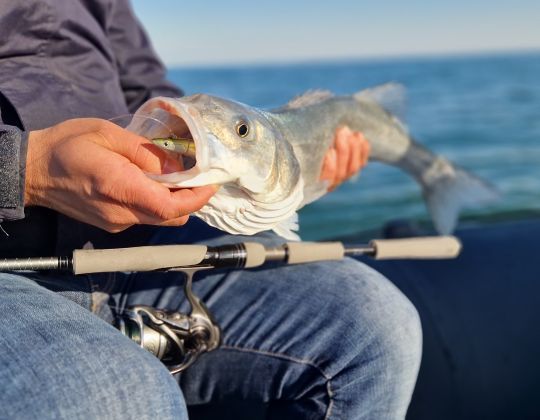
311,97
390,96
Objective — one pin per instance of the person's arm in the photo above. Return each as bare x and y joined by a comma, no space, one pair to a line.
13,144
142,74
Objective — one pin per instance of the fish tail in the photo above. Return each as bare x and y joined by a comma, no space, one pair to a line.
452,189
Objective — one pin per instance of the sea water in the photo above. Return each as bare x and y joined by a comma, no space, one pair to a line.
482,112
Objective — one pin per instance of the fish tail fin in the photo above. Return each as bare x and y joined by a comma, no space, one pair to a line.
453,191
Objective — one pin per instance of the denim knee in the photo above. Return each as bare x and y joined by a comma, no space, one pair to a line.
384,337
398,338
394,332
138,384
58,360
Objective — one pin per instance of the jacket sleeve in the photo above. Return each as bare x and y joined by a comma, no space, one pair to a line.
142,74
13,144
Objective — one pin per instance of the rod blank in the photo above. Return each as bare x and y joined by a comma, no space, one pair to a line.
35,264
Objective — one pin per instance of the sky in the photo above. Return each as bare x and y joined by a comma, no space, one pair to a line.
240,32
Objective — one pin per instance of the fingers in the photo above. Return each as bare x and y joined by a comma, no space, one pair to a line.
176,210
125,218
366,150
329,166
125,186
346,158
162,204
192,199
356,158
343,148
172,212
137,149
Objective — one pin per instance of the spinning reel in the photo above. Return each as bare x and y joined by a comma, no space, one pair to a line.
175,338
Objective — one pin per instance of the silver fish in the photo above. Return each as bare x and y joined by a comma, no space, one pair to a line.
269,162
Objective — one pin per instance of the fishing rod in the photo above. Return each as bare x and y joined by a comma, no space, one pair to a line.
240,255
178,339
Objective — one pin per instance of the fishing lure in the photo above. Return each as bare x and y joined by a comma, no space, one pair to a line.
183,146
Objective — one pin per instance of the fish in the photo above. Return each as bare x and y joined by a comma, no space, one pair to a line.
268,162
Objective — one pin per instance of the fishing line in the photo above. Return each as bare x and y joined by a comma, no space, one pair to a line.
121,121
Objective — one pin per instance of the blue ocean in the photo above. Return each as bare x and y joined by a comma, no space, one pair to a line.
482,112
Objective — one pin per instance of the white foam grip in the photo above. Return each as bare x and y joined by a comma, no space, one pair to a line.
143,258
436,247
303,252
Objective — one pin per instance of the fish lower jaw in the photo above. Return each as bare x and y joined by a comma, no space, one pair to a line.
194,177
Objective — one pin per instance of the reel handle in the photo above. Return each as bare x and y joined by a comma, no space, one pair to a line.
142,258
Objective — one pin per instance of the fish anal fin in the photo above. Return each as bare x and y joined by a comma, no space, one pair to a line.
314,192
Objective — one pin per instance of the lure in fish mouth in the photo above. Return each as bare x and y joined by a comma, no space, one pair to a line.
269,162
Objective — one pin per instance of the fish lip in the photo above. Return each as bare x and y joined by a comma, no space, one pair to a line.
201,147
198,175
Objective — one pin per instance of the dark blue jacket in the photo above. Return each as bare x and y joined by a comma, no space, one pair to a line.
62,59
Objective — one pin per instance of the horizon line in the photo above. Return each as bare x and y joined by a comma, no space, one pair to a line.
355,59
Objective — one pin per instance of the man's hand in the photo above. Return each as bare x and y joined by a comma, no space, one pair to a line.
93,171
348,155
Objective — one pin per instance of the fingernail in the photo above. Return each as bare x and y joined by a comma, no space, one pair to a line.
332,153
216,187
346,130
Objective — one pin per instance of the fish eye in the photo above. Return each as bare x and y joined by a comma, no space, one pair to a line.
242,129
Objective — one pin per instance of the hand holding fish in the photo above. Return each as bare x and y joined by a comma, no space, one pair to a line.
349,154
94,171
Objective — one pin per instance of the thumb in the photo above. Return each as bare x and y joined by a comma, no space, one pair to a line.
140,151
152,159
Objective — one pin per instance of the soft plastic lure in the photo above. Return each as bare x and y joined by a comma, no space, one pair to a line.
186,147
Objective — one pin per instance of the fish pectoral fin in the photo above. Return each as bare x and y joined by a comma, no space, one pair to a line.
252,183
314,192
286,227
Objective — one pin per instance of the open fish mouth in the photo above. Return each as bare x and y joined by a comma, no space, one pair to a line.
172,118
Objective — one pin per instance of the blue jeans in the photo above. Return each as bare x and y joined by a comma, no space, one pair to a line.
326,340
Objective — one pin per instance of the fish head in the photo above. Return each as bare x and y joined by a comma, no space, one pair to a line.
237,147
233,141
